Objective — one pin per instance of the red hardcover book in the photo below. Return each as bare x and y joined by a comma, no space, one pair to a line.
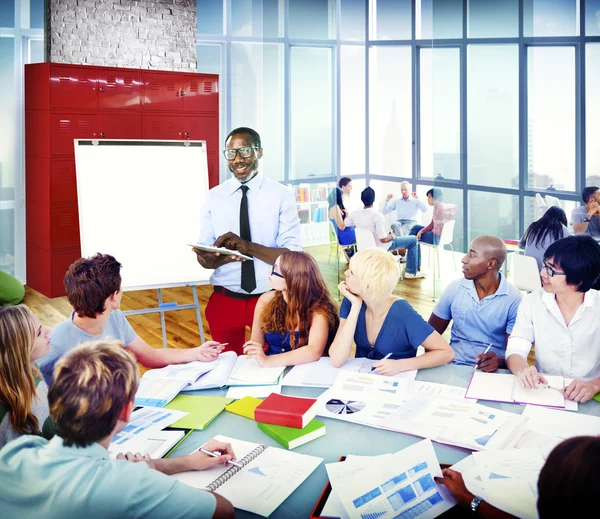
292,411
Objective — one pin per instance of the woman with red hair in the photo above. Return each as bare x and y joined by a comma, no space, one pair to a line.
296,322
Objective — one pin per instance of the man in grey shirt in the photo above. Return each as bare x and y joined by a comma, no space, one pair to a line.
586,218
406,209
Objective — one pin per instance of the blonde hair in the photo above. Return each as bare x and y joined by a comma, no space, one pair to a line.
91,386
377,271
17,382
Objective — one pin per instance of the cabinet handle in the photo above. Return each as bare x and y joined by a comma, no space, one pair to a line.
101,89
102,134
187,135
182,93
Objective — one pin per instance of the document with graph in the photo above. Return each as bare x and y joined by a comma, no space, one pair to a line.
400,485
266,478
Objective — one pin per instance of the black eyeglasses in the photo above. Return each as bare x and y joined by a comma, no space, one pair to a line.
273,273
550,271
244,151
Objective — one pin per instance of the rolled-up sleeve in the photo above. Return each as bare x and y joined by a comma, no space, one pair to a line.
522,336
288,235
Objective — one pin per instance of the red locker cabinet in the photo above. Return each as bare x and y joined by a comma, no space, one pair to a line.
66,102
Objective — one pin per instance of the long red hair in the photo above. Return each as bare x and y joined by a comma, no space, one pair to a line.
307,295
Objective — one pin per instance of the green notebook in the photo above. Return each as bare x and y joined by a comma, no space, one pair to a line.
202,410
292,437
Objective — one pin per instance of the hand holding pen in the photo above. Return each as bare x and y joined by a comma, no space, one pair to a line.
487,361
214,452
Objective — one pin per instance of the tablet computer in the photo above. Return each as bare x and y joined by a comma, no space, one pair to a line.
220,250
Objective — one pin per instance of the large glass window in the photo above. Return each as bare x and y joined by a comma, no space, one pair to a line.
551,17
353,20
390,111
493,115
7,13
493,213
592,113
390,19
208,58
438,19
352,111
439,113
551,117
311,112
261,18
592,17
493,18
257,98
314,19
209,16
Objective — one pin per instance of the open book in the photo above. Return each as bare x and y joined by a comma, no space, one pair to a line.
268,475
500,387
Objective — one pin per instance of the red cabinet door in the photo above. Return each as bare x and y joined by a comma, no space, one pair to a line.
120,126
162,127
63,181
200,94
73,87
198,127
162,91
66,127
119,89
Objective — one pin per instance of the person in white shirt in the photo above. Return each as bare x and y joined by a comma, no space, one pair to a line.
374,221
563,320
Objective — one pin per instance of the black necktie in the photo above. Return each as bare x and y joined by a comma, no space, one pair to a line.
248,277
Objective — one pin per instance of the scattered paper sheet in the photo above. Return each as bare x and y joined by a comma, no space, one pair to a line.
238,392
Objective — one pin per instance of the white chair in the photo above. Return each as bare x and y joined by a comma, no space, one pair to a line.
551,201
525,273
445,239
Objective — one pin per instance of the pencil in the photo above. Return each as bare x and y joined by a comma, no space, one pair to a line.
217,455
386,357
486,350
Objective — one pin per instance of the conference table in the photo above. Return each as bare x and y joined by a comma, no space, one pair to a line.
342,438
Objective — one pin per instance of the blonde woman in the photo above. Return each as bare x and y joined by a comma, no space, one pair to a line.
23,392
383,326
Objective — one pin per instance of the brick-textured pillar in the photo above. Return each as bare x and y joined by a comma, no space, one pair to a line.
150,34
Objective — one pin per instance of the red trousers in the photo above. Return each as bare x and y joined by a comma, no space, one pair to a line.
227,319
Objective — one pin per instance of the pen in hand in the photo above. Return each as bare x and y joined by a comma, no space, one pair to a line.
217,455
477,363
386,357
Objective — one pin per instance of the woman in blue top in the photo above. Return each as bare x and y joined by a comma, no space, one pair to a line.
294,323
380,323
346,235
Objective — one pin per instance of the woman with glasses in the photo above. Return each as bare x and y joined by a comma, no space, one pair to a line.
543,232
383,326
296,322
563,320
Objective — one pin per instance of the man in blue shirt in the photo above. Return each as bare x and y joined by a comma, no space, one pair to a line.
254,215
483,307
72,475
406,209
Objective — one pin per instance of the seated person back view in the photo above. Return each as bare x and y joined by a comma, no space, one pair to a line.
406,208
482,307
72,475
563,320
586,218
374,221
297,320
23,392
542,233
337,212
566,484
93,287
380,323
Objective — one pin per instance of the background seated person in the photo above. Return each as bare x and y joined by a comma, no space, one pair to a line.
23,392
380,323
93,287
442,213
563,320
72,475
566,484
337,212
586,218
407,207
374,221
542,233
298,319
482,307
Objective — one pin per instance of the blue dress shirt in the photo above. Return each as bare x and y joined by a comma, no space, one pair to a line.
478,323
405,209
46,480
274,222
402,332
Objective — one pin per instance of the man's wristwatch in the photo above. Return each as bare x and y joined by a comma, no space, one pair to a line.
586,219
475,505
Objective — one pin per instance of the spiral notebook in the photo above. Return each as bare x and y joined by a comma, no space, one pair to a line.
267,477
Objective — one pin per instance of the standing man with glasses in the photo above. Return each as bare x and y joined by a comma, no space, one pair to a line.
254,215
562,319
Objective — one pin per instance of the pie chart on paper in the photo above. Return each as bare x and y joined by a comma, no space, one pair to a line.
337,406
